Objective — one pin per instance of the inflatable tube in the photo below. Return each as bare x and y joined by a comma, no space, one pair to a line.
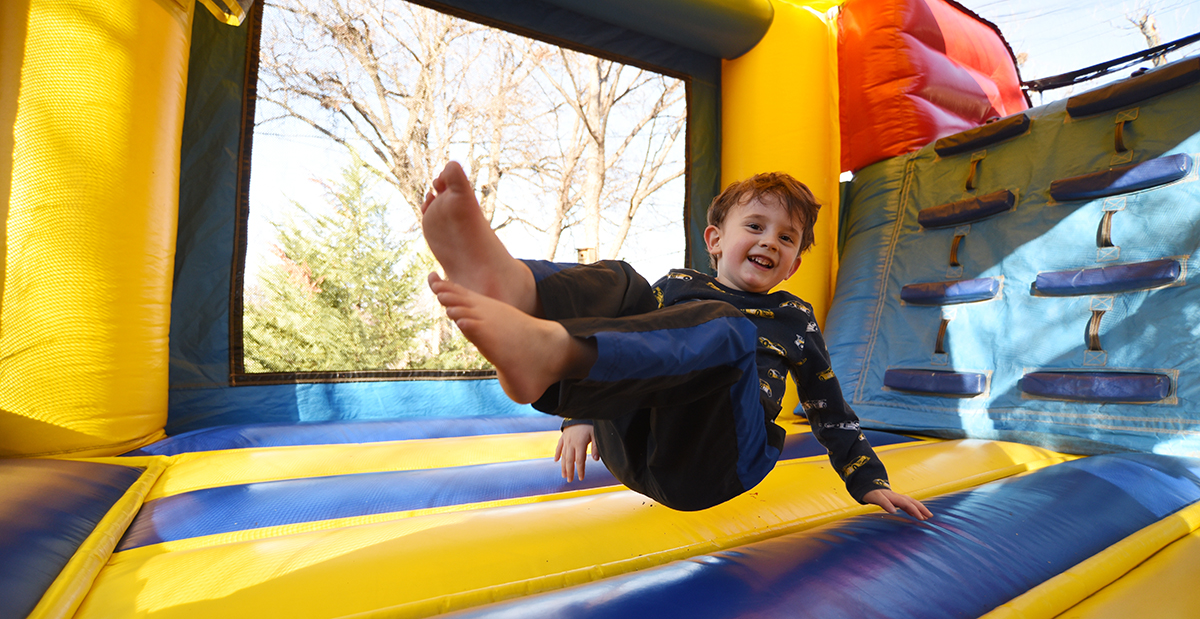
721,28
500,550
1166,582
1084,579
341,432
49,508
61,520
1136,89
1123,179
238,507
72,584
1016,531
196,471
90,226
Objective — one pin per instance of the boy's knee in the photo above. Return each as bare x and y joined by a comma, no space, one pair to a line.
740,329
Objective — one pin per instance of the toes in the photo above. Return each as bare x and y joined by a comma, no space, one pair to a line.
438,285
441,287
453,176
467,325
458,312
428,200
453,301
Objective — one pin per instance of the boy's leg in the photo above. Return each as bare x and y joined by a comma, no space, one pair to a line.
605,289
685,457
473,256
463,242
674,391
674,395
531,355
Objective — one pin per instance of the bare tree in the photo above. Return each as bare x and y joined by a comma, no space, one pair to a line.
650,177
397,85
594,89
401,86
1143,20
562,173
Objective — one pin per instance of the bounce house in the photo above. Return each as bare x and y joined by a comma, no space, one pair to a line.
1005,292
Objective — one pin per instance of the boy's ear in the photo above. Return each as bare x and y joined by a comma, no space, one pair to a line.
712,239
795,265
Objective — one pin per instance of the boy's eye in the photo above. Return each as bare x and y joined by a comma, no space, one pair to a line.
754,226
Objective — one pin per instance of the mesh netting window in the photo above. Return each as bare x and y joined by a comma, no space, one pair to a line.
360,104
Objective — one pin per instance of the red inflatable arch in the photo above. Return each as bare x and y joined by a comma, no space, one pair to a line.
912,71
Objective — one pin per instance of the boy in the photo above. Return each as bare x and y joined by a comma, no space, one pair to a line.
682,382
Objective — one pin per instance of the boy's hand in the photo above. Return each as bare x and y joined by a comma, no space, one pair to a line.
893,501
573,449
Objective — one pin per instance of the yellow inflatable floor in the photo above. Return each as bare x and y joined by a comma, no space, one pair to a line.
425,561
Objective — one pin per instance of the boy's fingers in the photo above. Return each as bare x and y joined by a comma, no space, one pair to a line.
914,508
892,502
595,452
568,466
581,462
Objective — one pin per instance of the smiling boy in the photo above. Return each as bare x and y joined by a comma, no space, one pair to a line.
681,382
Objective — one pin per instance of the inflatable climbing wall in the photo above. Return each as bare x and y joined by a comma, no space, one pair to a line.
1030,279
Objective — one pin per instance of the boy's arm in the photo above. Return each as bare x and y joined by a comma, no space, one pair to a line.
836,426
849,451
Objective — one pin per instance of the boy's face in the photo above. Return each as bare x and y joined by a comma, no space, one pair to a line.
756,247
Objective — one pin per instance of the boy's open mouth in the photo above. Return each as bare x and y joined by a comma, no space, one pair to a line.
762,262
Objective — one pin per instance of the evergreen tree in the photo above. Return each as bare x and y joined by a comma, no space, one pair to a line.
342,295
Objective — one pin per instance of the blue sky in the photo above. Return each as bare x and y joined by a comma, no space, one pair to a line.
1065,35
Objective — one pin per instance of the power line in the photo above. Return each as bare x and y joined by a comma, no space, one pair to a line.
1104,68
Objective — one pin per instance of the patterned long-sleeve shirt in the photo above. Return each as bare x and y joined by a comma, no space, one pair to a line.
789,342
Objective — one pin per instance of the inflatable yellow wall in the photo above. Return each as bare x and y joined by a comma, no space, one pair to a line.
779,113
94,94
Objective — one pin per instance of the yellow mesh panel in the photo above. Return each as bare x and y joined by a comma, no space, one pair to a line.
90,233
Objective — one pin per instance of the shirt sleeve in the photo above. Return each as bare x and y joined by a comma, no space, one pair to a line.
574,422
833,422
665,291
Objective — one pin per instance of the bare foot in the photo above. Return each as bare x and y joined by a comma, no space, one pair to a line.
530,354
465,245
